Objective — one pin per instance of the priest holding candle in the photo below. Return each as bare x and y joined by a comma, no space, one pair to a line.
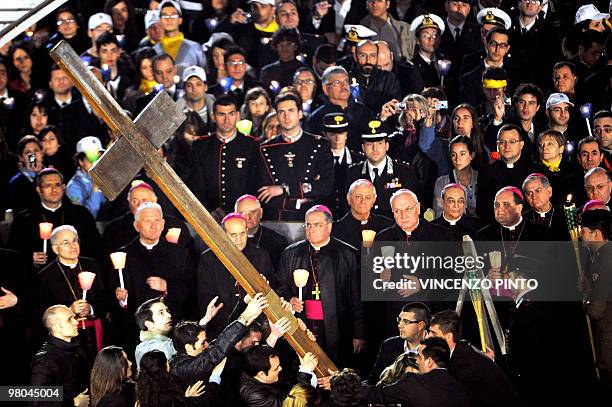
62,282
331,303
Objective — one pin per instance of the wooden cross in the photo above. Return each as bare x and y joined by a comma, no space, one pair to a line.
138,146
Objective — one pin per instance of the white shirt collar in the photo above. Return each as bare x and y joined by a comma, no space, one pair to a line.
528,27
51,209
380,166
543,214
67,101
451,27
424,58
68,265
511,228
149,246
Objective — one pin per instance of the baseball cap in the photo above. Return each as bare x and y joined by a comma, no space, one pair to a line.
172,3
89,143
151,18
194,70
589,12
97,19
556,99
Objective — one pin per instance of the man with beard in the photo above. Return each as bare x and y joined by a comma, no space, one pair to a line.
361,197
333,310
453,216
259,235
196,99
412,324
215,281
376,87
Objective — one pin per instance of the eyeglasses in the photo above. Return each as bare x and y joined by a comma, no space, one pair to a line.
66,21
317,226
68,243
169,16
236,63
309,82
407,321
495,44
337,83
506,142
604,129
428,36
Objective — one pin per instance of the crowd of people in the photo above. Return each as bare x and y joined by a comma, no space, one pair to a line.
410,120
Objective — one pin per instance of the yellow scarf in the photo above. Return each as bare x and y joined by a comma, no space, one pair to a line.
146,86
172,45
271,28
553,166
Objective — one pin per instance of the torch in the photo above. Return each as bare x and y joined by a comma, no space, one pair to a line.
300,278
173,235
572,226
444,66
118,259
44,230
585,111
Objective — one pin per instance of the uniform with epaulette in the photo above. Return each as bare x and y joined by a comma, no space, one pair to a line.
336,123
223,171
390,177
304,168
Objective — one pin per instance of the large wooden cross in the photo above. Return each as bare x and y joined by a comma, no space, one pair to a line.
137,147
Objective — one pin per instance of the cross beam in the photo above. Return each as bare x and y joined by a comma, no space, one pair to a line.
111,175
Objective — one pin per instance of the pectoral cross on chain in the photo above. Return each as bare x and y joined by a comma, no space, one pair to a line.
316,292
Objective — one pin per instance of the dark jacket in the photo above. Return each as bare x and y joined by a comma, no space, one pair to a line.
190,369
60,363
377,88
389,350
125,397
257,394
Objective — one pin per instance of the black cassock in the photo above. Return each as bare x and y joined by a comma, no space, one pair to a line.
348,229
273,242
120,232
166,260
24,235
58,283
466,225
339,284
213,279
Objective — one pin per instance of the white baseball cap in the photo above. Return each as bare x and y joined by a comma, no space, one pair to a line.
151,18
589,12
89,143
268,2
172,3
556,99
194,70
97,19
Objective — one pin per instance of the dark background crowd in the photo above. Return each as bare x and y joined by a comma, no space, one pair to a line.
417,120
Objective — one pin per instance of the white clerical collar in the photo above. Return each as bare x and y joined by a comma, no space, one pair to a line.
226,140
452,222
317,248
543,214
49,208
68,265
409,234
149,246
293,139
62,102
510,165
513,227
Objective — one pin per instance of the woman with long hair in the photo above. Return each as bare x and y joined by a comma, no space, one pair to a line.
23,77
124,23
461,151
404,363
255,108
301,395
465,123
157,387
179,157
144,86
55,154
36,118
215,58
110,380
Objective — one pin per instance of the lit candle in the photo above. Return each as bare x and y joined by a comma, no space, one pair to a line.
118,259
86,279
300,278
444,66
173,235
585,111
368,237
44,230
274,87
